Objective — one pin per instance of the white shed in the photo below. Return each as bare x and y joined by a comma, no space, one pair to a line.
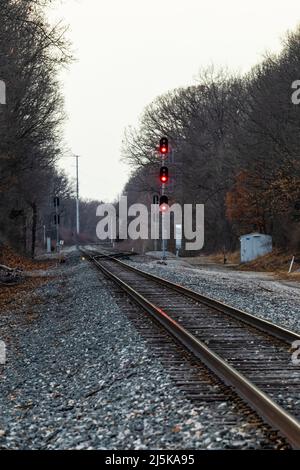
254,245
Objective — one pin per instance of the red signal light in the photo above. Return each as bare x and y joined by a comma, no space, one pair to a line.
164,145
164,174
164,203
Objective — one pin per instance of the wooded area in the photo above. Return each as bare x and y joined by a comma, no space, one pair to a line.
32,53
235,142
236,146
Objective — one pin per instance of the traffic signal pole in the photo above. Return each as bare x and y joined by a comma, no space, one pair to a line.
164,241
164,177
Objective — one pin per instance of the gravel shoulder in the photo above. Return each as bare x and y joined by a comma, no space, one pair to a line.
256,293
79,376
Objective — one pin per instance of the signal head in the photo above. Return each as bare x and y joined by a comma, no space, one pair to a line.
164,174
164,145
164,203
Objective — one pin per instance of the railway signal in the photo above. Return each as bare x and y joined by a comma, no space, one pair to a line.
164,177
56,219
164,203
163,146
164,174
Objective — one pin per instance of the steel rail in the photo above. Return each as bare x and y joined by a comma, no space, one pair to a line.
265,326
274,414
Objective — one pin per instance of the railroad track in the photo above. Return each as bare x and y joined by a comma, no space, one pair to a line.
250,354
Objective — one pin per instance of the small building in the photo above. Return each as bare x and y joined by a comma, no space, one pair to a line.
254,245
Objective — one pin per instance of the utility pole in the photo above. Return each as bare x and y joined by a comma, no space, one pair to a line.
77,201
77,198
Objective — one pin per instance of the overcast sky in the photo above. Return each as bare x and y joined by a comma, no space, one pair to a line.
130,51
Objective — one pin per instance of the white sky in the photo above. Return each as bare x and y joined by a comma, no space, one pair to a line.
130,51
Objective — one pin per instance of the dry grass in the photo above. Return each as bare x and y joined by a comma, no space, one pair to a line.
12,296
231,258
12,259
294,276
278,261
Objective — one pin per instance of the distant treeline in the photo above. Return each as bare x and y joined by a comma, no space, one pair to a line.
236,143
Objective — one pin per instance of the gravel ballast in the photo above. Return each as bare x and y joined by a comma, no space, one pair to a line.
255,293
80,376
